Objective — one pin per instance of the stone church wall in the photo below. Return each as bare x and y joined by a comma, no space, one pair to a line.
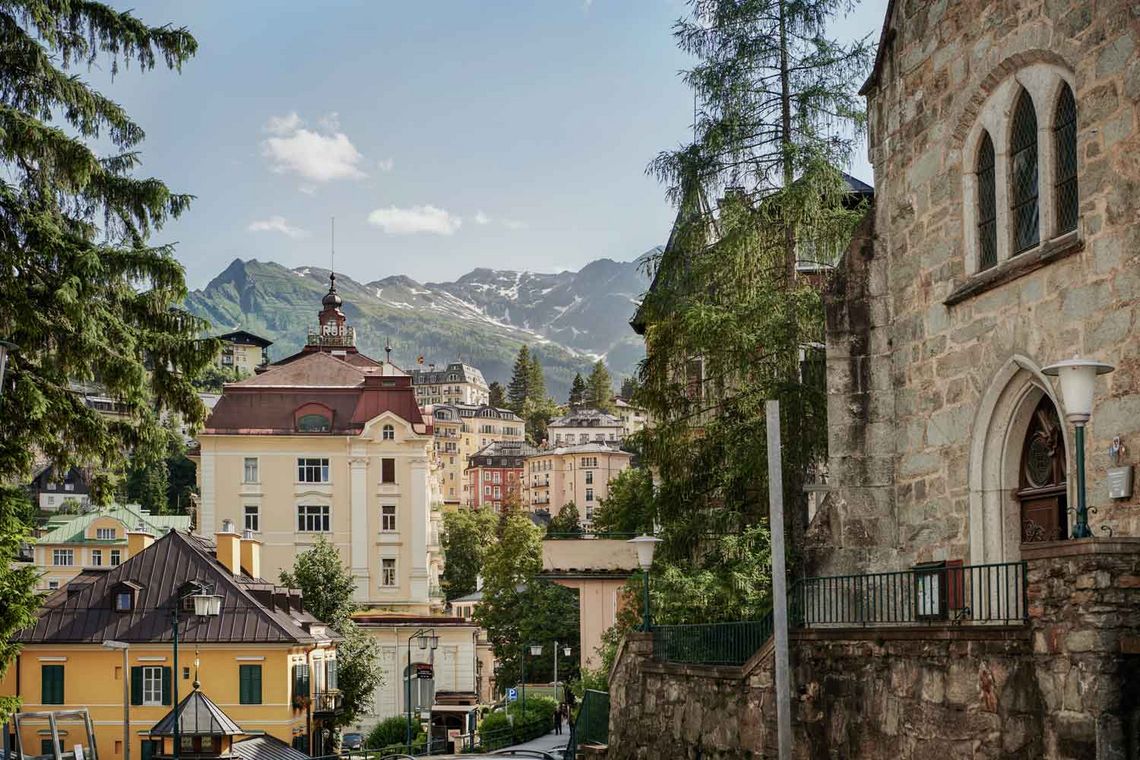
918,344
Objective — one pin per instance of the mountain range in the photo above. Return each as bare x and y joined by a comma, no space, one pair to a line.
569,319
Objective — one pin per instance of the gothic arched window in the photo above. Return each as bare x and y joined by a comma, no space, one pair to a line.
1065,146
987,204
1023,175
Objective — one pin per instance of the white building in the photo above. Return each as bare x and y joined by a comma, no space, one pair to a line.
585,426
457,383
633,419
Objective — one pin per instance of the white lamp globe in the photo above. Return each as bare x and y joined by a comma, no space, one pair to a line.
1078,381
646,546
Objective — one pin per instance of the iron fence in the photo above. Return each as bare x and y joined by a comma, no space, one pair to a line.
926,594
593,724
711,643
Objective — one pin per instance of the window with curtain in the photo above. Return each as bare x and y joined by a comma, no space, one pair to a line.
987,205
1023,175
1065,148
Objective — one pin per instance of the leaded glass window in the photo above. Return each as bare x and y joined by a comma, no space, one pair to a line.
1023,175
1065,144
987,204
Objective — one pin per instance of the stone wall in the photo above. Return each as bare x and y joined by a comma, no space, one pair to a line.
921,347
1057,687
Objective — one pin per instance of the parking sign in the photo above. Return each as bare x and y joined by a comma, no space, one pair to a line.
512,695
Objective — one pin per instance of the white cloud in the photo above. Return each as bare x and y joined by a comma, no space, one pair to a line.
307,189
481,218
316,156
385,165
283,125
277,224
330,122
410,221
514,224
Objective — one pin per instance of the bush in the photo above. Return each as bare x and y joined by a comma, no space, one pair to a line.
392,731
495,731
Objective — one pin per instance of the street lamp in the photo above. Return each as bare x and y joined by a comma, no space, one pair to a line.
6,348
205,605
1078,378
427,639
125,647
646,546
535,650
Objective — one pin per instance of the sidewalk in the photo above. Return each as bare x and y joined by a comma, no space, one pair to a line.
552,742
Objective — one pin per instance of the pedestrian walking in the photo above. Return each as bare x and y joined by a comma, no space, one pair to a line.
558,719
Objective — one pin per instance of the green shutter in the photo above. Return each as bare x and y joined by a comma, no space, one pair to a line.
147,749
330,674
249,682
51,684
300,681
136,686
165,686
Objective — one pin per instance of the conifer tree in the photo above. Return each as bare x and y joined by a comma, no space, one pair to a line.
83,294
518,390
497,395
600,388
536,380
577,392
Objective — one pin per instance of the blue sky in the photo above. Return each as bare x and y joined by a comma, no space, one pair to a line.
441,135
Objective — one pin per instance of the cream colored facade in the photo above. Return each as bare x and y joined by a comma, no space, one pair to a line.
633,419
456,383
243,351
585,426
580,474
353,494
460,431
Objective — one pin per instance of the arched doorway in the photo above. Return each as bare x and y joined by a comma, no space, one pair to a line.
1017,427
1042,489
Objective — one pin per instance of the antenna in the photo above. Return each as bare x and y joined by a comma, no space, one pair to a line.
332,244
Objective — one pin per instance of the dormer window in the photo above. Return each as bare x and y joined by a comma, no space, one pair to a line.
389,433
313,423
123,596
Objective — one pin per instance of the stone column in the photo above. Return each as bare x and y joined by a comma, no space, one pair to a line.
420,515
358,526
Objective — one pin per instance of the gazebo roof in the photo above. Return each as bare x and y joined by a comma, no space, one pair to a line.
197,716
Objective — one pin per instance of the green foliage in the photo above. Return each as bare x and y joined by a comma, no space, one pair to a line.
84,296
497,395
628,387
566,522
629,507
467,534
518,389
600,388
328,588
577,392
518,608
214,377
526,395
392,731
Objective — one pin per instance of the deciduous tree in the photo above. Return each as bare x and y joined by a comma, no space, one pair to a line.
566,522
467,534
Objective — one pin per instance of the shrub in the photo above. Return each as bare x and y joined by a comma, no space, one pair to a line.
391,731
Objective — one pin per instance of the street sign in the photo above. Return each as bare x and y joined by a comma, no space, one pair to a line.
424,670
512,695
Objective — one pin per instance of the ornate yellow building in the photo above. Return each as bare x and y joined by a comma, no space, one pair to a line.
460,431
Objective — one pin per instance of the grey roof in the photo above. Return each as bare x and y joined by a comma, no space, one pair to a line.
197,716
83,612
474,596
465,373
266,748
593,447
475,410
586,418
515,451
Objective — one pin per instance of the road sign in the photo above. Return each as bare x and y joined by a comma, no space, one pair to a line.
512,695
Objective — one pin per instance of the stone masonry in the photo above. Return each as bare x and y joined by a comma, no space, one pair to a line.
1060,686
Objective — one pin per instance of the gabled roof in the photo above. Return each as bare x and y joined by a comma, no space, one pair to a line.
308,370
197,715
69,529
586,418
82,611
266,748
247,338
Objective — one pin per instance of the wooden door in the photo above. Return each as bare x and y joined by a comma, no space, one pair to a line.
1042,489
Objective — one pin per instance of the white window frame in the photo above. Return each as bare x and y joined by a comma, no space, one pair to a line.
251,466
388,432
312,470
388,577
60,554
104,534
387,518
309,515
254,511
589,494
151,686
96,557
116,558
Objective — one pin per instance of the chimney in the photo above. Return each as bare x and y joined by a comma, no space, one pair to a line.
229,547
138,540
250,554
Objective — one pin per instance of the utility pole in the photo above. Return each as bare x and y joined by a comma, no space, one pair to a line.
779,581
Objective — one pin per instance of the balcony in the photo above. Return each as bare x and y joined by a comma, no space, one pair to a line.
327,703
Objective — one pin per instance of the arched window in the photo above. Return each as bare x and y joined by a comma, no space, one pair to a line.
313,423
1023,175
1065,145
987,204
389,433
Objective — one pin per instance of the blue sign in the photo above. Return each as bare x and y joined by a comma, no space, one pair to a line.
512,695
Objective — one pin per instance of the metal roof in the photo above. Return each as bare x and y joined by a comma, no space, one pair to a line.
63,529
197,715
266,748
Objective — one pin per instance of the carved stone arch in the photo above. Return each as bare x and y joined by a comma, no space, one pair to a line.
1003,418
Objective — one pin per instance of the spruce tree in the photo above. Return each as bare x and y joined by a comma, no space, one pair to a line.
600,388
83,294
536,380
577,392
518,390
497,395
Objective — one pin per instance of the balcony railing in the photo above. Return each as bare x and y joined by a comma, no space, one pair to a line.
327,702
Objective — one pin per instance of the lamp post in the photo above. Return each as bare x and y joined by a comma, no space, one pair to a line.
1078,378
535,650
124,647
205,605
6,348
646,546
427,638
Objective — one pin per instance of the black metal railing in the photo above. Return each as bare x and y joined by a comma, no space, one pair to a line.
593,724
994,593
330,701
711,643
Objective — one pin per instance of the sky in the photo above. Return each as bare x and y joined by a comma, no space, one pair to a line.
442,136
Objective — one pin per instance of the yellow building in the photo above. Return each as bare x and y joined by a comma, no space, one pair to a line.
264,660
243,351
331,444
69,544
460,431
552,478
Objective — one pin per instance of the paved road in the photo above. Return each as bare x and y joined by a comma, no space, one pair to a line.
550,742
